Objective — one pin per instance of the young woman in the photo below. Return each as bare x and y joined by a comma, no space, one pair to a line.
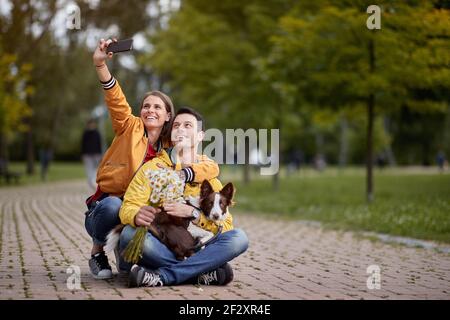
137,140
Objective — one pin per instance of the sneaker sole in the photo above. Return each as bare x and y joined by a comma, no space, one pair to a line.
101,277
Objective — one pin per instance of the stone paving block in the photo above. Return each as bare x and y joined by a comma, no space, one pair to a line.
42,234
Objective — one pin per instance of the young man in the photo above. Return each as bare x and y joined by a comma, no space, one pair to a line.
158,265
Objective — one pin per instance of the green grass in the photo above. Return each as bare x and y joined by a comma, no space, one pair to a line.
57,171
407,203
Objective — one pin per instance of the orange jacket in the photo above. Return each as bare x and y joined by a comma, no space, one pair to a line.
127,151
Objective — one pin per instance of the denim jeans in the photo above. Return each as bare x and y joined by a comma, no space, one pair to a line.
158,257
102,218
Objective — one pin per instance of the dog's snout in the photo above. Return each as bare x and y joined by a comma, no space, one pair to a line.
216,216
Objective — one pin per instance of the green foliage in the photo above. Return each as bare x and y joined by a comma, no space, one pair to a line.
300,66
129,18
295,65
427,131
381,139
209,55
14,90
62,77
325,52
64,95
335,61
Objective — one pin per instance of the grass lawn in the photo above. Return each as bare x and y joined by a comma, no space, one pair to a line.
407,202
57,171
412,202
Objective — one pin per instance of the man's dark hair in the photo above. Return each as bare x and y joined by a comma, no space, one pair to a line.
196,114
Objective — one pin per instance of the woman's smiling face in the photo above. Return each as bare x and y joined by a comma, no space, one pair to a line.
154,113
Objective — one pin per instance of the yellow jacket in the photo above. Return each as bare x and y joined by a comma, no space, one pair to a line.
129,147
138,194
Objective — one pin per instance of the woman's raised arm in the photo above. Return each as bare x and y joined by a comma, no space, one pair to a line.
99,60
116,101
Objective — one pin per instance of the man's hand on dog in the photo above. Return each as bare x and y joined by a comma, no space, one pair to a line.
178,209
145,216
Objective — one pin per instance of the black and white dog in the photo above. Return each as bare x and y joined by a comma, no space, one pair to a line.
214,206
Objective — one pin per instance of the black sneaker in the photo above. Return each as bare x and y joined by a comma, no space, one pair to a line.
219,277
140,277
99,266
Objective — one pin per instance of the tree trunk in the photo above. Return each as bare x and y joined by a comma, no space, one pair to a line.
246,168
369,178
276,176
319,142
246,172
343,150
370,120
276,180
389,152
4,157
29,152
446,133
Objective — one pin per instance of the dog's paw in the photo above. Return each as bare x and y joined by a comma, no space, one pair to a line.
208,235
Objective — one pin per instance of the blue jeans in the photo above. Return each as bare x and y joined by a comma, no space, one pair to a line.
102,218
158,257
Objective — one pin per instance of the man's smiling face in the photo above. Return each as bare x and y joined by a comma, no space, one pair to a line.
185,133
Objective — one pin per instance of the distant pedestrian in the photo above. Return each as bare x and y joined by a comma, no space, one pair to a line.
91,152
295,158
381,160
441,161
319,162
45,157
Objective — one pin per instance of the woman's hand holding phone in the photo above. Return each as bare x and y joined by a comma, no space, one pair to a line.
100,53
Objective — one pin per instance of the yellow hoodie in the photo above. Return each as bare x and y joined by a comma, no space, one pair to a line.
138,194
129,147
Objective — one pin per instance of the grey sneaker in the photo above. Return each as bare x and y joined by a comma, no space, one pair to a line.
99,266
219,277
140,277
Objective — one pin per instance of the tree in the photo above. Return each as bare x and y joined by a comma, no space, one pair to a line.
13,107
209,56
62,73
20,40
327,57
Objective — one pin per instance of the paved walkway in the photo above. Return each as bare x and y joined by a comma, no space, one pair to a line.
42,234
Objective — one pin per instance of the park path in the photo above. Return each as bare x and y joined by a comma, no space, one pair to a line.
42,234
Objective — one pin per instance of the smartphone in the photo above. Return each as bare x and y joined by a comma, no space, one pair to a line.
120,46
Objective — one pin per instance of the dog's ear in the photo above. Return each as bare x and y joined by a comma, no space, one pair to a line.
206,189
228,192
